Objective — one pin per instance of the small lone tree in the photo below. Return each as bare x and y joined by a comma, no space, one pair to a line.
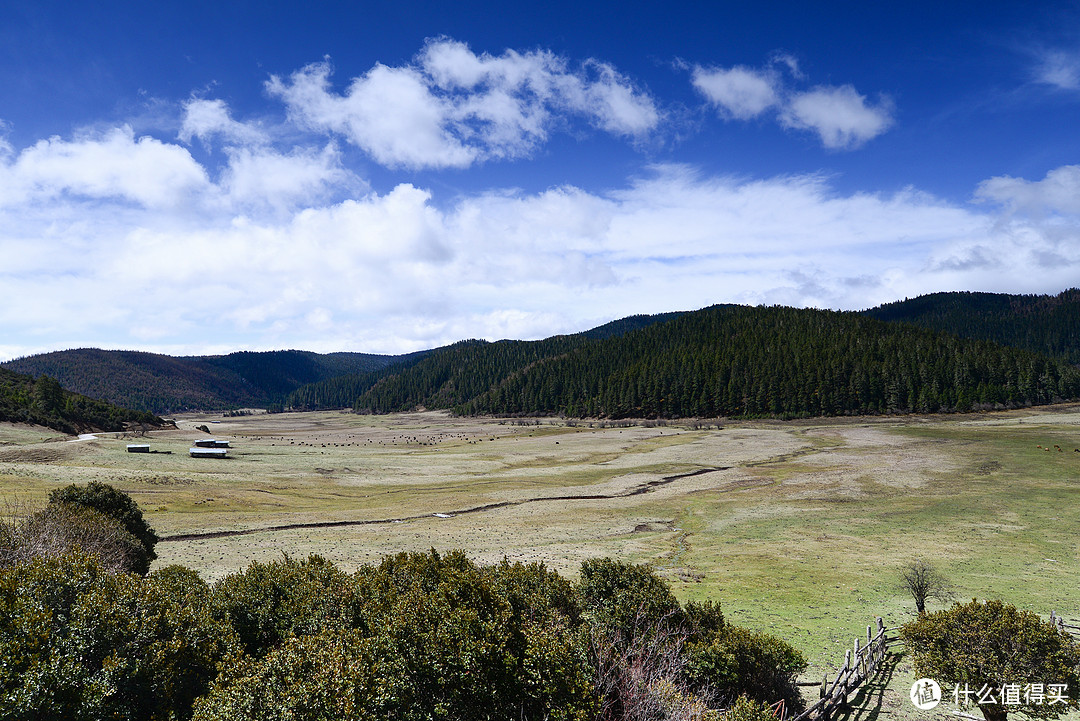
923,582
991,646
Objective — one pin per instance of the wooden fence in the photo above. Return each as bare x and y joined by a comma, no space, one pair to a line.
1070,628
861,663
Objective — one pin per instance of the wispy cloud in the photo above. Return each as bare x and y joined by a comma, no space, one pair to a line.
1058,68
452,108
841,117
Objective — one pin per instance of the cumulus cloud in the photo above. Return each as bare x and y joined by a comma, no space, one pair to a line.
452,108
204,119
1058,192
740,92
839,115
122,240
263,176
114,164
398,271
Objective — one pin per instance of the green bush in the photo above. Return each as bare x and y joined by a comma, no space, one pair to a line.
61,528
269,602
627,599
80,643
430,637
735,662
111,502
745,709
994,643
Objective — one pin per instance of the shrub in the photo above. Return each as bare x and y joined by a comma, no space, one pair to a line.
745,709
112,502
60,528
736,662
429,637
81,643
269,602
993,643
626,599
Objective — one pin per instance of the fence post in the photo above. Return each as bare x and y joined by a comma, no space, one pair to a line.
871,653
844,688
824,692
858,659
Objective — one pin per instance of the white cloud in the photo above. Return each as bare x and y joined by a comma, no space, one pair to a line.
1060,69
389,112
453,108
261,176
116,240
839,115
1058,192
394,272
204,119
740,92
112,165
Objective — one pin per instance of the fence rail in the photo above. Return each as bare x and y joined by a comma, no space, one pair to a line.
1070,628
861,663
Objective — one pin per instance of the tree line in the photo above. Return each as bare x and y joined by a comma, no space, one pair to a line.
166,384
44,402
1047,324
731,361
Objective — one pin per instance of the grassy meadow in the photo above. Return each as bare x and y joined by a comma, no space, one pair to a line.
796,528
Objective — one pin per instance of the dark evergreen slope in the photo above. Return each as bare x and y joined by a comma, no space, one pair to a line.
731,361
454,374
44,402
627,324
166,384
1047,324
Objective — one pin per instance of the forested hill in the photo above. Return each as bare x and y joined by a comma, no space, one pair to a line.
449,376
730,361
42,401
167,384
1047,324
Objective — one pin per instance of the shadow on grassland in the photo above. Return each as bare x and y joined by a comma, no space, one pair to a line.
871,701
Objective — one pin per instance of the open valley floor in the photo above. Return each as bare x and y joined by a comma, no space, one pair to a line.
797,528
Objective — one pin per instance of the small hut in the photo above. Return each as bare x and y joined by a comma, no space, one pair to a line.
209,452
138,448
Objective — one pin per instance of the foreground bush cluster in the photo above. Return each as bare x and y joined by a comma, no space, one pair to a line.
419,636
85,635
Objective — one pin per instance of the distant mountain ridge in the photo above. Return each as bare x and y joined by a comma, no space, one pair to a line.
448,376
42,401
166,384
723,360
1047,324
730,361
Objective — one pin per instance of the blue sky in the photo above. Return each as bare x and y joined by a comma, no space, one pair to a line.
196,178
